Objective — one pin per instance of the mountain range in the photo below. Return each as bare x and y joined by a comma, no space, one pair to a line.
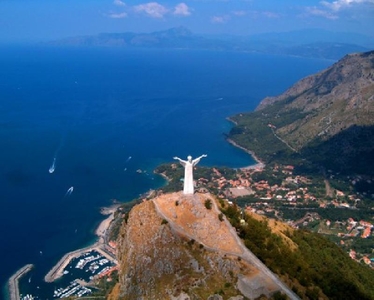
304,43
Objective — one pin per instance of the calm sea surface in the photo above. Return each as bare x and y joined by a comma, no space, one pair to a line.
103,114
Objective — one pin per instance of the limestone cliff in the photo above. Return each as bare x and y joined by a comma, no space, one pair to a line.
181,247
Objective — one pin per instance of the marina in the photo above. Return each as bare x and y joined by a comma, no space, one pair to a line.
74,275
83,270
76,272
73,289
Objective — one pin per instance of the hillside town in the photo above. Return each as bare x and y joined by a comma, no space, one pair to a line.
309,201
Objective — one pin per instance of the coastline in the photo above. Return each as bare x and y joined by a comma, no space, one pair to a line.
164,176
260,164
104,225
57,270
100,245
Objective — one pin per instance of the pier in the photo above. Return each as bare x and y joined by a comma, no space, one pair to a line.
14,280
57,271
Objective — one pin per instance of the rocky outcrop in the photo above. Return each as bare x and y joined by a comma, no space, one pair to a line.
174,247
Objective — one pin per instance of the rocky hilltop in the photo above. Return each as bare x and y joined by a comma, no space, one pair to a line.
323,116
181,247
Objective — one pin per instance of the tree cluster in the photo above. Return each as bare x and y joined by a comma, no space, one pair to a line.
320,268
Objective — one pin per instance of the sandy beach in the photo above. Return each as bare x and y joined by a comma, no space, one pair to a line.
260,164
104,225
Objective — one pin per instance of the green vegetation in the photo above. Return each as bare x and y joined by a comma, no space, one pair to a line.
220,217
104,287
319,266
115,228
208,204
253,132
175,173
348,152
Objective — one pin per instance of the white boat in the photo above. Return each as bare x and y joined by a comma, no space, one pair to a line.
53,166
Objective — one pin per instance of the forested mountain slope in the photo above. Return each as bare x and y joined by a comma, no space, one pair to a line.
326,118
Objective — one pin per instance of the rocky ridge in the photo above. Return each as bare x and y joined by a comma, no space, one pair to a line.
324,122
328,103
175,247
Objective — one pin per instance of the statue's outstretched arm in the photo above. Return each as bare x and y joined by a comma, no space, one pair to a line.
196,160
183,162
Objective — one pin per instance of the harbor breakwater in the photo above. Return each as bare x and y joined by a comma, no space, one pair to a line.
14,280
57,271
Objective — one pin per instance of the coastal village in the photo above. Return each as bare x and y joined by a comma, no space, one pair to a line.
298,193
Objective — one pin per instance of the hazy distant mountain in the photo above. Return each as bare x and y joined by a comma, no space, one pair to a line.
308,36
327,119
179,37
307,43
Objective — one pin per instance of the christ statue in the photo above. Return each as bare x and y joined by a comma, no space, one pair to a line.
188,176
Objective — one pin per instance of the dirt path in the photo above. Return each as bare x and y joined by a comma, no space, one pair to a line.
191,219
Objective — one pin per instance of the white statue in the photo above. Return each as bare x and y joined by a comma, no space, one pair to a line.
188,187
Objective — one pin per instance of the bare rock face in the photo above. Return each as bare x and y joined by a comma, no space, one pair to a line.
174,247
329,102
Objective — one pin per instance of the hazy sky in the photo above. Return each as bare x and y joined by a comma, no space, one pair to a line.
50,19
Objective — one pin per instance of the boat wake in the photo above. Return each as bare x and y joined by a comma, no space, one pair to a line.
53,166
69,191
128,159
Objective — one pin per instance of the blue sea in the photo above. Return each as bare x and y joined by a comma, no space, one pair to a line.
104,113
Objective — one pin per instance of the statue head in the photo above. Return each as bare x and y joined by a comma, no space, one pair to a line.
189,157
